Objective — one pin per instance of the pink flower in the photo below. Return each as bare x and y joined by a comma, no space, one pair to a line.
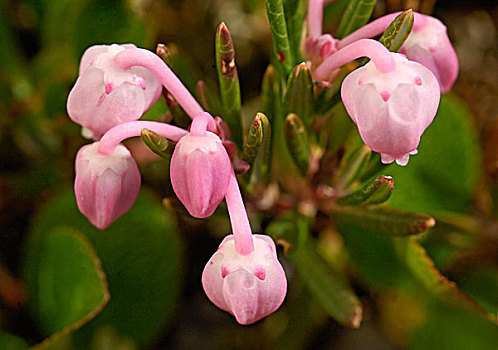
431,47
251,286
105,186
200,172
105,95
317,49
392,109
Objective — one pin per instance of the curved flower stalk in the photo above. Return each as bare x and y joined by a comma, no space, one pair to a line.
244,276
105,95
428,44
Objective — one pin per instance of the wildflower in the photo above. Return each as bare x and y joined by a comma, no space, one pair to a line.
106,95
392,109
106,186
251,286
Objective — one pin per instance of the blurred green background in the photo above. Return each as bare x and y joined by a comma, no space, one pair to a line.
57,271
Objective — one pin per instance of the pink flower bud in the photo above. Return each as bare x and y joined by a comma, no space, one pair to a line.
250,287
105,95
392,109
200,172
105,186
431,47
317,49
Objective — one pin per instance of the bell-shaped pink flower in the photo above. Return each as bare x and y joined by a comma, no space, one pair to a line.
105,186
200,172
105,95
251,286
431,47
392,109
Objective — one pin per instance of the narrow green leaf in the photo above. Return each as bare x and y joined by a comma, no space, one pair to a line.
376,191
295,17
299,95
384,220
260,132
398,31
414,256
268,97
254,140
297,142
276,17
352,166
328,286
356,15
157,144
228,80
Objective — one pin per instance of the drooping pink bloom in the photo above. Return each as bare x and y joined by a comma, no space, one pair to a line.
200,169
431,47
251,286
105,95
106,186
392,109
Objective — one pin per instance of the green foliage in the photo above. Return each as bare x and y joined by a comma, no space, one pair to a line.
444,175
398,31
11,342
356,15
140,255
278,26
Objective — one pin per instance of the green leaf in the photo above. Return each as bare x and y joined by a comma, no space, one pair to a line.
228,80
384,220
445,172
71,288
299,94
157,144
376,191
297,142
257,150
11,342
398,31
295,17
328,286
352,166
449,328
208,99
356,15
416,260
268,93
140,254
180,117
276,17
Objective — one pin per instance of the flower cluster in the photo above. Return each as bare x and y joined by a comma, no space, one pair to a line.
394,97
117,84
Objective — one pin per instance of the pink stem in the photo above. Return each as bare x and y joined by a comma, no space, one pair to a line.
315,18
113,137
241,228
379,26
144,58
372,49
201,123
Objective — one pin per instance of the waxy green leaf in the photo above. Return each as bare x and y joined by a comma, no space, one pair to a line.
398,31
299,94
297,141
328,286
376,191
356,15
278,27
254,139
384,220
295,17
71,288
157,144
228,80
